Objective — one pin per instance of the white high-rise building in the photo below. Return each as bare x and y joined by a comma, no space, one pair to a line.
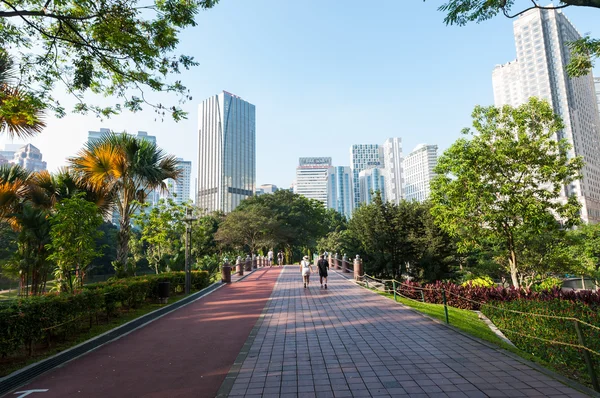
597,85
340,188
542,38
179,190
30,158
312,179
418,172
227,152
371,181
94,136
266,189
363,156
8,151
392,156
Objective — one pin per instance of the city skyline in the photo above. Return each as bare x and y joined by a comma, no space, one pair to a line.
372,92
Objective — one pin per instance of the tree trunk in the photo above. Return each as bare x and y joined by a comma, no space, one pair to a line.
512,261
123,240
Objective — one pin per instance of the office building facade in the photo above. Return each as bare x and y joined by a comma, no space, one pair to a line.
30,158
179,190
363,156
418,171
226,153
597,89
266,189
312,177
392,157
542,40
370,182
340,188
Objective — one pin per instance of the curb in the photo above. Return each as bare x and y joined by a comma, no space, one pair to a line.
232,375
30,372
566,381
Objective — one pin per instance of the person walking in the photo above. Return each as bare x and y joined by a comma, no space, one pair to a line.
323,266
306,269
280,258
270,256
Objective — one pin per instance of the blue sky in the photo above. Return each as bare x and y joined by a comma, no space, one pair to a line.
325,75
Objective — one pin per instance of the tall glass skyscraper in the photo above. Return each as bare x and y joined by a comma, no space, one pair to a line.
227,152
392,155
370,181
418,172
179,190
341,193
542,39
363,156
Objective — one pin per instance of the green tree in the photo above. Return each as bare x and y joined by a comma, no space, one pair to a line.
203,235
461,12
112,48
73,234
585,248
252,226
107,244
129,168
161,233
505,179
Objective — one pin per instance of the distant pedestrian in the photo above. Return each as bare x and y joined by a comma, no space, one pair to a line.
306,269
280,258
270,256
323,266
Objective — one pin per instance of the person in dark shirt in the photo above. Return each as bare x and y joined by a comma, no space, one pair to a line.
323,266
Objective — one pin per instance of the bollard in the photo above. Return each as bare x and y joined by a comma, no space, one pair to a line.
422,296
239,267
586,356
248,263
226,272
254,261
358,268
394,286
337,261
344,264
445,306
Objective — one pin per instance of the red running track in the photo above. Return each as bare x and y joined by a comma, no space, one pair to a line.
186,353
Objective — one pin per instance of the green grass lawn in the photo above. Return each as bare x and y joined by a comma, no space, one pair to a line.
16,362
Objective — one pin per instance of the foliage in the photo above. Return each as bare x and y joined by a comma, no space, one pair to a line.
480,281
30,320
129,168
107,244
527,332
73,233
461,12
21,113
161,233
107,48
548,284
584,247
501,184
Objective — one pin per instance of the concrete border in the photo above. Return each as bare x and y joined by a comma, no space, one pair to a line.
566,381
30,372
232,375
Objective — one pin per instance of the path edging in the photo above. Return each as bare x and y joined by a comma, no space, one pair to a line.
232,375
24,375
570,383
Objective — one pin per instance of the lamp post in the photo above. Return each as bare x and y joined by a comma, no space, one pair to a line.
188,238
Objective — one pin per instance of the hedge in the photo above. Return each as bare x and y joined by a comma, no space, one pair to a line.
526,331
30,320
471,297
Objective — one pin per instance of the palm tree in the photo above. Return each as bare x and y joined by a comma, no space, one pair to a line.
129,168
14,186
21,113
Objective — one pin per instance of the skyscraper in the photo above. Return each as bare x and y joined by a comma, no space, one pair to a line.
542,38
179,190
597,85
371,181
227,152
266,189
418,172
392,156
340,188
312,176
94,136
363,156
8,151
29,157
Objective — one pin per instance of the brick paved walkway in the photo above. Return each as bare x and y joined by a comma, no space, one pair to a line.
348,342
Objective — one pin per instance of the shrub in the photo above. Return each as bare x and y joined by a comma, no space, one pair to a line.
548,284
481,281
527,331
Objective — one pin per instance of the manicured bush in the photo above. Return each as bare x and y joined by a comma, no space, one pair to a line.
481,281
541,336
31,320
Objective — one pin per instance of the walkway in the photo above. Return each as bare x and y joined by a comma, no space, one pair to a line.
186,353
348,342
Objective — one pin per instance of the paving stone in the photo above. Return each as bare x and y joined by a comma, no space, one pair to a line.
346,341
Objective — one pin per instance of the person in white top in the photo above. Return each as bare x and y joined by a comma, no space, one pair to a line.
306,269
270,256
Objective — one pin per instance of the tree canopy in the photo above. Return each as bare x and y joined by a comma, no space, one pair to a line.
583,51
112,48
503,182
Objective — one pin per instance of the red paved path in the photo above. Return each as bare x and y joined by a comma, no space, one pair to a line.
186,353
